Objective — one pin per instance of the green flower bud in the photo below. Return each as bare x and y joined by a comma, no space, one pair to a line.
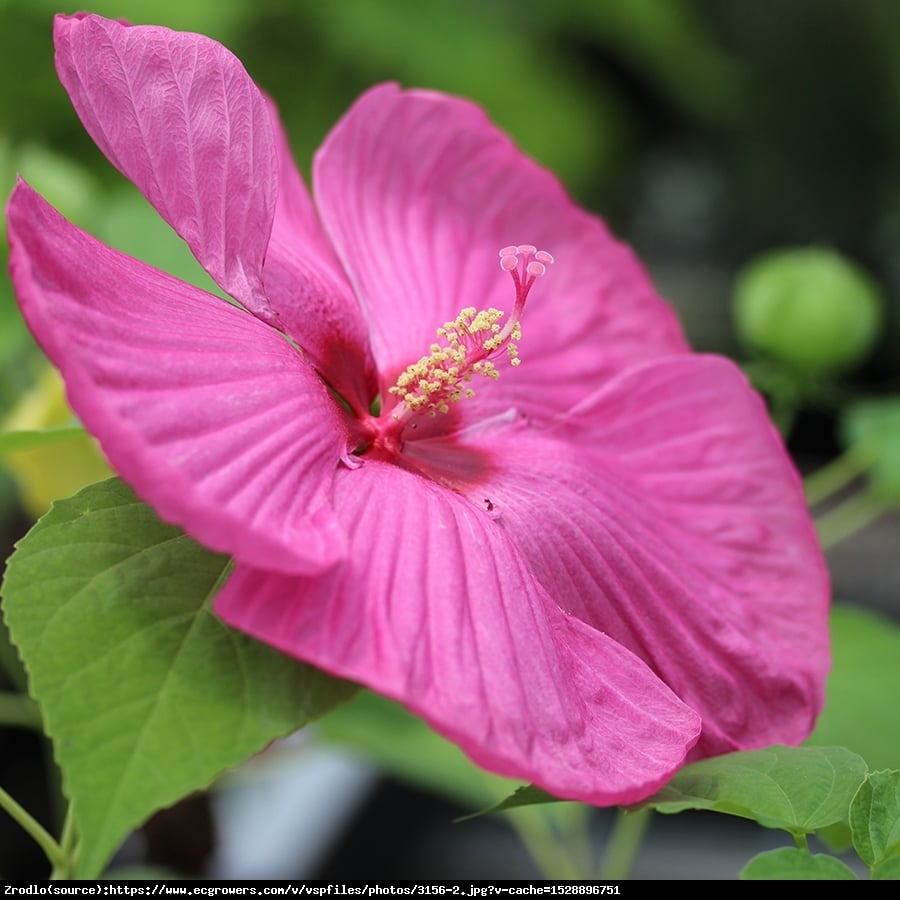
811,309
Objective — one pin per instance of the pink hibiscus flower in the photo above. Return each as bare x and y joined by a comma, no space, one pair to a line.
594,564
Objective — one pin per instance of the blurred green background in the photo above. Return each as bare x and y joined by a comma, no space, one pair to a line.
706,132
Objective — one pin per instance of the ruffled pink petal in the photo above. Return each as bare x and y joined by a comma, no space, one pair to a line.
178,114
666,514
211,415
436,608
419,192
309,291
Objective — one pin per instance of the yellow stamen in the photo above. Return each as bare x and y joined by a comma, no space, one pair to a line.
435,381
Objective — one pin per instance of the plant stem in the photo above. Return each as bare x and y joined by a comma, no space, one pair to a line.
52,850
67,844
800,842
542,845
624,843
848,517
577,836
835,475
19,711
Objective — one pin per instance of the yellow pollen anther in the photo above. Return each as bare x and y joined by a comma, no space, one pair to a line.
475,336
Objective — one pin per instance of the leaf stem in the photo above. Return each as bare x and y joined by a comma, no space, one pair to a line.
848,517
624,843
52,850
835,475
543,847
19,711
68,845
577,835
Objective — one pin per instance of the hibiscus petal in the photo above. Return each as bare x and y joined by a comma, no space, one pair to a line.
211,415
666,513
308,288
437,609
419,191
178,114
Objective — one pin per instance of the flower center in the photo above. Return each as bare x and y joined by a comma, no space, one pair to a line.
469,344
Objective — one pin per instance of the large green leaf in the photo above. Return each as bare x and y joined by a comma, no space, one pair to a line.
793,864
875,818
146,694
866,650
799,789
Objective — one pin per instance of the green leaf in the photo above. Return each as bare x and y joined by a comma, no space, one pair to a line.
889,870
793,864
146,695
526,795
38,437
875,817
865,649
799,789
837,837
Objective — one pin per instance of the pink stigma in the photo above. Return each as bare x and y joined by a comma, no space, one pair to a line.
525,263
